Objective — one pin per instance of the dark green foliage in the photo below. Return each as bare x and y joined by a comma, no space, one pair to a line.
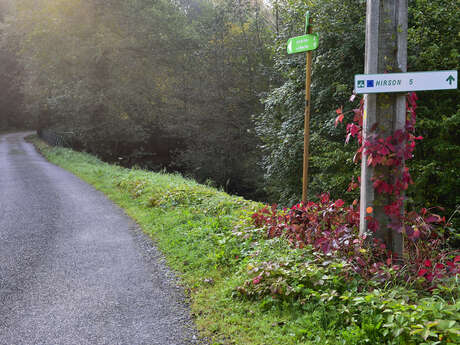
11,112
177,85
163,84
339,56
434,45
229,62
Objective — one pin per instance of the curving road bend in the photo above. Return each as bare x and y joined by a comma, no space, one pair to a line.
74,269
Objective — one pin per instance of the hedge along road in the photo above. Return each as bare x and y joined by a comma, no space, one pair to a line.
74,269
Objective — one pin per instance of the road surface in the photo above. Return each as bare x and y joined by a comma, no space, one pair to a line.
74,269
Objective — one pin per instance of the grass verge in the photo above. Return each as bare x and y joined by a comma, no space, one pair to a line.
208,237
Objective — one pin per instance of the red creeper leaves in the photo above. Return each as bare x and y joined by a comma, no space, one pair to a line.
333,228
391,151
339,118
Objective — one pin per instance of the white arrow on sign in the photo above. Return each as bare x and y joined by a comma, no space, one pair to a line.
406,82
289,48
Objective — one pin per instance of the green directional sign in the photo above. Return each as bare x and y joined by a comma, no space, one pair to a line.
303,43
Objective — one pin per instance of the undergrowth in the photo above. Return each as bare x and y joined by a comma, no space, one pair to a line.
248,286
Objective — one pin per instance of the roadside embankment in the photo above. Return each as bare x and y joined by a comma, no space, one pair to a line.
248,289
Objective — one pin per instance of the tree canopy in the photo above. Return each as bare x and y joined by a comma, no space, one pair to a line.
206,88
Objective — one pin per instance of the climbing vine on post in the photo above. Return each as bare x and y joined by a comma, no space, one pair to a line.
383,117
391,151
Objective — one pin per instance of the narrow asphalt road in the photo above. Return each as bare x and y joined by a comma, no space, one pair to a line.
74,269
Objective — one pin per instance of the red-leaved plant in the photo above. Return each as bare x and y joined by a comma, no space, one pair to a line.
391,151
332,228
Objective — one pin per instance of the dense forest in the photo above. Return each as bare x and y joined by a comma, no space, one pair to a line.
206,88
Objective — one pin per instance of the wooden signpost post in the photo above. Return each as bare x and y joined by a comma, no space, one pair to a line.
299,44
384,85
